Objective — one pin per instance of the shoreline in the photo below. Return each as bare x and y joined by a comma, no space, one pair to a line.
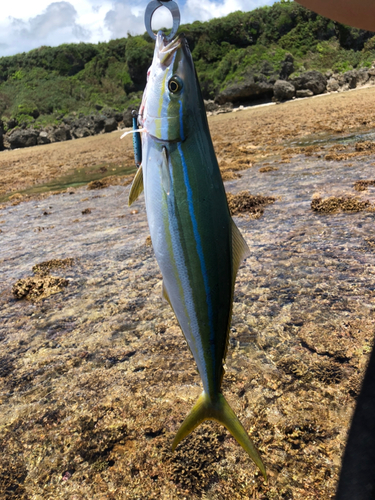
243,139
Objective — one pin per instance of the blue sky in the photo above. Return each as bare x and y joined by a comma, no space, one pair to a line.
25,24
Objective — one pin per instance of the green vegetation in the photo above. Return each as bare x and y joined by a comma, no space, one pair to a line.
45,84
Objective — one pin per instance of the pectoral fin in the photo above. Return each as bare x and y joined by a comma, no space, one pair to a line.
137,186
218,409
165,174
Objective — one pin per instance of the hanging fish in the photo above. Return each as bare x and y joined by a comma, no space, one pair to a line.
197,245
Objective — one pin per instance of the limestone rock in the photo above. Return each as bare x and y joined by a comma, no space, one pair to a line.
43,138
362,76
348,80
311,80
110,124
13,122
60,134
332,85
287,67
118,117
283,91
81,132
225,108
211,106
98,123
127,117
304,93
252,87
23,138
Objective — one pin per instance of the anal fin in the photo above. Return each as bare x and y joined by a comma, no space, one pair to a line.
165,294
240,249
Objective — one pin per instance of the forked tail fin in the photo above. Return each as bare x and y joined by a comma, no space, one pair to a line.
218,409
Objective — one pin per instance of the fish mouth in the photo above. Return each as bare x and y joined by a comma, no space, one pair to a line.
167,51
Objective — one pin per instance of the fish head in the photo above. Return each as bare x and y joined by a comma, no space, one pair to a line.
172,91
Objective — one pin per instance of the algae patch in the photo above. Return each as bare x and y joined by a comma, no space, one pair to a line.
365,146
112,180
339,204
244,202
45,267
268,168
42,285
363,185
194,463
38,287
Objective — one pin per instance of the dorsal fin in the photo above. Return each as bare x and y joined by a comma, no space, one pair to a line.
137,186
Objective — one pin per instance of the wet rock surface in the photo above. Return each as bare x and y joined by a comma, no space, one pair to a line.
97,378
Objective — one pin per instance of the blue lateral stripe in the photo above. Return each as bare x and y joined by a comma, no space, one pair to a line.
181,123
200,251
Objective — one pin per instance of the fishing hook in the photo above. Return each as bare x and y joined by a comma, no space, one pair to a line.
173,9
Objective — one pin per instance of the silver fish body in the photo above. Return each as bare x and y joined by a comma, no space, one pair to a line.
196,243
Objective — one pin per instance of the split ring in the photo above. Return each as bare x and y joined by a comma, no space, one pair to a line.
173,9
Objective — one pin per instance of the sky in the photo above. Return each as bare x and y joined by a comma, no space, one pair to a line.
26,25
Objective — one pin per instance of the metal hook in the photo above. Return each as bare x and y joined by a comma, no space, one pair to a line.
173,9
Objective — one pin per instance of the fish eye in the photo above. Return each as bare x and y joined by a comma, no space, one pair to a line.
175,84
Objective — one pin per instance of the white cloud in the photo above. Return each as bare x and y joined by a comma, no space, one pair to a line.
205,10
127,16
57,23
57,16
25,25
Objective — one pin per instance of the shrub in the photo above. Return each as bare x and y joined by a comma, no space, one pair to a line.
73,78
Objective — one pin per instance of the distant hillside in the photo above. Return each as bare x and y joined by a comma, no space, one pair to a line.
44,85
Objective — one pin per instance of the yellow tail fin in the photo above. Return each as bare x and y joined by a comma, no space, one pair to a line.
218,409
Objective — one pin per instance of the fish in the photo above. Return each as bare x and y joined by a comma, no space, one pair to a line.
197,245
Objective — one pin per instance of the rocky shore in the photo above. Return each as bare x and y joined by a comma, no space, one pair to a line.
95,377
251,89
103,121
